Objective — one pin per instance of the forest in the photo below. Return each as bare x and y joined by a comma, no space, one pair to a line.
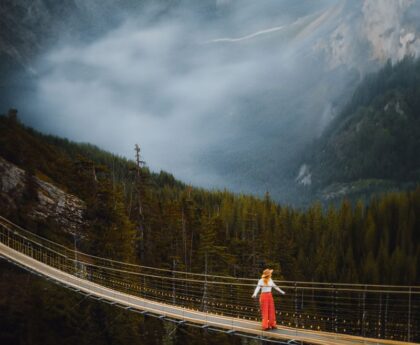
376,135
139,216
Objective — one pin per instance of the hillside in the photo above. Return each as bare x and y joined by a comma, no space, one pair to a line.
133,215
373,145
53,156
162,222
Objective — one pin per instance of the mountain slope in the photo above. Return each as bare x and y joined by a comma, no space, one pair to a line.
375,141
134,215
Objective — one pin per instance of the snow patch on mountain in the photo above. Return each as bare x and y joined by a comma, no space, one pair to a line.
304,176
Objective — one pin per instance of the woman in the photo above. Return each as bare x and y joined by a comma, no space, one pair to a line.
268,311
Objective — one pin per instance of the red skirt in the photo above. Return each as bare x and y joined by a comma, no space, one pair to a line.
268,311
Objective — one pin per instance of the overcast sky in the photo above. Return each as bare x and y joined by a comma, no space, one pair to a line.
171,85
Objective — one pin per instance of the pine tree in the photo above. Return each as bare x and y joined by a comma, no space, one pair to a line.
110,232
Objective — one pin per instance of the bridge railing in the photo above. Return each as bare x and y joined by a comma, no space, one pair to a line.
377,311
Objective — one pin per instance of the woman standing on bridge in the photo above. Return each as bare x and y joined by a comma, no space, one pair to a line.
268,311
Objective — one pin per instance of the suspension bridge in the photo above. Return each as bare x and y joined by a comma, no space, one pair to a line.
309,313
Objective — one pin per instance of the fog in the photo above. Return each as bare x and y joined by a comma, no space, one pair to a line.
225,97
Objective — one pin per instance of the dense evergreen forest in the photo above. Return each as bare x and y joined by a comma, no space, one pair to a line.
375,138
138,216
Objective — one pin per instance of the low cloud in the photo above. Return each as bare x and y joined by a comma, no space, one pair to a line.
220,99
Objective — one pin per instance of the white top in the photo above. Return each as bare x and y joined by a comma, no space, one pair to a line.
266,287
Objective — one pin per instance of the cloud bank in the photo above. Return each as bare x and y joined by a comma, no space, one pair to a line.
171,85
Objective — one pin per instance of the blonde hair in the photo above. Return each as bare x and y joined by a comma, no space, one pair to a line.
266,275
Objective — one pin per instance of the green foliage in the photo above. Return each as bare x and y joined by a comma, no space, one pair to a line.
136,217
377,136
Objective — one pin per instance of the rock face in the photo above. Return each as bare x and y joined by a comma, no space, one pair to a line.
66,209
369,32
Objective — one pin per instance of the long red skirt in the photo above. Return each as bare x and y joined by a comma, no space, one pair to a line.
268,311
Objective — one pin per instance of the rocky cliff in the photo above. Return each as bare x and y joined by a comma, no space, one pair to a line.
52,202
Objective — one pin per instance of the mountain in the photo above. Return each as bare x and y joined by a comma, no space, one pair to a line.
373,144
221,93
334,50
